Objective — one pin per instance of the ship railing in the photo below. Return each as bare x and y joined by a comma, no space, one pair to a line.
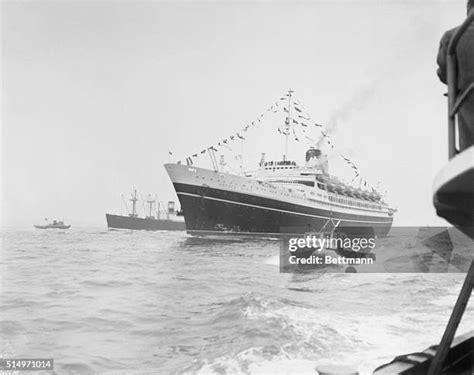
455,98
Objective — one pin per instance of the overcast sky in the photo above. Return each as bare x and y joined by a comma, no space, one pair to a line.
94,94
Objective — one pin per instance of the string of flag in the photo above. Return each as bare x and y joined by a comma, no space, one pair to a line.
302,122
225,143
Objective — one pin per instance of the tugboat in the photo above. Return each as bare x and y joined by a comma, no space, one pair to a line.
453,187
170,219
453,199
453,355
280,197
55,224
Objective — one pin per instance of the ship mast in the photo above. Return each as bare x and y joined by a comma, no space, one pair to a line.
212,155
287,124
150,205
134,200
241,157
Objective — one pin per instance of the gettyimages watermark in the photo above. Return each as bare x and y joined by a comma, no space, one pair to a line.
320,242
317,250
401,250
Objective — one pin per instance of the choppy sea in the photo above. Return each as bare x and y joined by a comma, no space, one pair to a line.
113,302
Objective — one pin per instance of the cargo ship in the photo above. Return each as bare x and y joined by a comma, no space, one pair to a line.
279,197
170,219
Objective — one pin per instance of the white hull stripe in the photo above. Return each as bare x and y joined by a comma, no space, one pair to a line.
278,210
221,233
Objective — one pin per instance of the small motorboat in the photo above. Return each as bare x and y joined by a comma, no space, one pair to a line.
55,224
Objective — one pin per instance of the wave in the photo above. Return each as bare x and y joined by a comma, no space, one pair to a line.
107,284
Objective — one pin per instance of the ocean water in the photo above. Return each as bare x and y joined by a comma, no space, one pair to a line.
116,302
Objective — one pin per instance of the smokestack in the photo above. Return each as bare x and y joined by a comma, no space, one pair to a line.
317,160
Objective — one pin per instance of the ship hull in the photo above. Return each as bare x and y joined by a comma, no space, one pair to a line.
137,223
222,204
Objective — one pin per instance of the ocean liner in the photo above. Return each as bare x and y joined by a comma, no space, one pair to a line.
164,220
280,197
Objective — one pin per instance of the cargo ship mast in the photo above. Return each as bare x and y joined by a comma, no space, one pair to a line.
134,201
150,203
